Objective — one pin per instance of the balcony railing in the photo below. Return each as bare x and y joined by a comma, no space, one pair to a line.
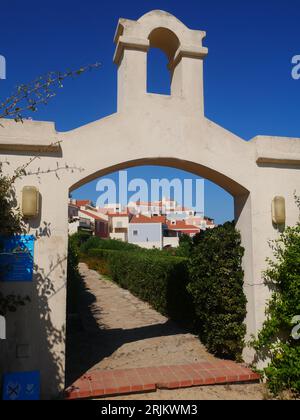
121,230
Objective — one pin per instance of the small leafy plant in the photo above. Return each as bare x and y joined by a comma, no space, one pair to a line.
275,342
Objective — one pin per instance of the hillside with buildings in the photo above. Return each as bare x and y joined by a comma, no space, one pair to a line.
147,224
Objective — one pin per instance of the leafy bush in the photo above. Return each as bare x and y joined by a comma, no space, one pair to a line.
93,242
185,246
98,243
205,290
275,340
160,281
101,253
216,285
11,223
98,259
79,238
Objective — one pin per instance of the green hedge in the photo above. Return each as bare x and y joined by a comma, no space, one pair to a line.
101,253
95,242
98,243
98,259
216,285
160,281
205,290
79,238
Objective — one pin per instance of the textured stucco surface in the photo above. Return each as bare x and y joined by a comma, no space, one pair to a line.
147,129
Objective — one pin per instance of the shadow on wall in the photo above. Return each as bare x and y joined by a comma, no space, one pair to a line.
33,341
42,345
51,340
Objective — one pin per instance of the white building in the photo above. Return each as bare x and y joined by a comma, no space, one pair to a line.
147,232
118,226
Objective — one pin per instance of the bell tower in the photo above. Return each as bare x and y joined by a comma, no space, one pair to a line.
183,48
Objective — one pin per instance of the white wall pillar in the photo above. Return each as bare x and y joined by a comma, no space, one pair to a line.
131,58
187,78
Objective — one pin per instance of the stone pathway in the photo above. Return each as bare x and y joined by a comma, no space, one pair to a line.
122,336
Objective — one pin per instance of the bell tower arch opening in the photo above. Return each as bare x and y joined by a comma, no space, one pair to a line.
183,48
163,46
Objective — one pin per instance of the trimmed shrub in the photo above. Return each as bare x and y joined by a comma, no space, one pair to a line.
98,243
216,285
98,259
160,281
79,238
205,290
93,242
101,253
185,247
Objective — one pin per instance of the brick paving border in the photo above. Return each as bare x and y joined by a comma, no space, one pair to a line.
104,383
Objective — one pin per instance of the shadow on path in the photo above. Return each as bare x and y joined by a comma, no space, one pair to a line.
89,342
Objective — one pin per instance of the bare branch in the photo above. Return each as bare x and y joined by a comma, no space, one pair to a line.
28,97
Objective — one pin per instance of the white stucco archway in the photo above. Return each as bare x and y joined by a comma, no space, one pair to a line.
147,129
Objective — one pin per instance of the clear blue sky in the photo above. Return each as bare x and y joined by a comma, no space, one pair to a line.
248,84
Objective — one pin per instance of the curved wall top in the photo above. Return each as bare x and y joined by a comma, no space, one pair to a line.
141,30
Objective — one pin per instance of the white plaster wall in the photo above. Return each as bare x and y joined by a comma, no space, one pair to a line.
130,138
119,236
148,245
173,242
124,221
148,129
73,227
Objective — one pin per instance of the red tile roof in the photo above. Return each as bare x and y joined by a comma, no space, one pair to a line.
118,214
145,219
181,225
93,215
82,203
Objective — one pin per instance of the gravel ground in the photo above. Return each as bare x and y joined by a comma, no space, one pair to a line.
216,392
116,330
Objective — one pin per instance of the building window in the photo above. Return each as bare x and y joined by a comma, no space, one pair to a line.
135,233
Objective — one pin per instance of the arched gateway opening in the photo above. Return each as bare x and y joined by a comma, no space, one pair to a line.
105,327
240,194
148,129
231,186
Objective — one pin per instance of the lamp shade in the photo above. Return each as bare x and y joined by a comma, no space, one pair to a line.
30,202
278,211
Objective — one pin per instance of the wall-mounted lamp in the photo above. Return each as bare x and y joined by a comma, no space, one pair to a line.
30,202
278,211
